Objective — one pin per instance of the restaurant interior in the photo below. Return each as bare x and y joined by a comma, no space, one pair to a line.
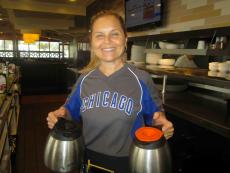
184,46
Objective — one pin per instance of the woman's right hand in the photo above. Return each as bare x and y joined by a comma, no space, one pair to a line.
52,117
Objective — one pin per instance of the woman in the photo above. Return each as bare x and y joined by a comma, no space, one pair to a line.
111,98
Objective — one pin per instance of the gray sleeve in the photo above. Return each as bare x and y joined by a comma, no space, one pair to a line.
155,93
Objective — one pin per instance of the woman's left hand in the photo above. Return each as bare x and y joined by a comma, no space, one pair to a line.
159,119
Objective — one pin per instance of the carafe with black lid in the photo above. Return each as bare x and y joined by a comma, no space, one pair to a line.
64,147
149,152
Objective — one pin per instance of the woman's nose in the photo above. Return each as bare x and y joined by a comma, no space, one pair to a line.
107,39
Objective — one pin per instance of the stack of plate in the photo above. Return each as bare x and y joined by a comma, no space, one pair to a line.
137,53
153,58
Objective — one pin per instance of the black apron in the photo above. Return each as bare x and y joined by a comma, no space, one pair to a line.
99,163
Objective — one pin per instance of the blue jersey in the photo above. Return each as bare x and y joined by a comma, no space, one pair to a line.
111,108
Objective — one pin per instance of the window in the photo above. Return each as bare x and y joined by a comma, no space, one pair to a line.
54,46
23,46
6,48
38,49
9,45
44,46
2,45
34,46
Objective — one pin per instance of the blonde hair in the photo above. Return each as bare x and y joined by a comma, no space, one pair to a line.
94,62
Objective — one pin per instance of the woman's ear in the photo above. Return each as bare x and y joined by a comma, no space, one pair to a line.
126,40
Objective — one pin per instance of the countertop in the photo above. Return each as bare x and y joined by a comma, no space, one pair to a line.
206,113
209,114
192,74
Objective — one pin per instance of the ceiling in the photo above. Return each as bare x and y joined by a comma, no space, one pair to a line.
55,19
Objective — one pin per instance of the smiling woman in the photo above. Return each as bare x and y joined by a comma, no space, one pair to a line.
111,98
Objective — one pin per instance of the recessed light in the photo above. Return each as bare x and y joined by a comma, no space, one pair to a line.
72,0
158,5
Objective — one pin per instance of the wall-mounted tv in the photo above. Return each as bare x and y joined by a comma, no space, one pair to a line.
142,14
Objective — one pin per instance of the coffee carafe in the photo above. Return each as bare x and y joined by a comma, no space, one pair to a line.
149,152
64,147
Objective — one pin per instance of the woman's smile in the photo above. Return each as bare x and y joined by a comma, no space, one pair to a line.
111,49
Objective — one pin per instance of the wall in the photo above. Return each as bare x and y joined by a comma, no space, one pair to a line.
187,15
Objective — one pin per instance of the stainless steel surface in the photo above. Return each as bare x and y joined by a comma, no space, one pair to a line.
63,156
209,87
150,160
164,88
163,85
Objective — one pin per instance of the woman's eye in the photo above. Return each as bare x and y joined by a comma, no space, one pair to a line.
115,34
99,36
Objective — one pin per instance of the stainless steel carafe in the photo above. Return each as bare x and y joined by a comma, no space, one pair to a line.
64,147
149,152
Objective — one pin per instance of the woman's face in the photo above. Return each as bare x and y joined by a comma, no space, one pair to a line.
108,39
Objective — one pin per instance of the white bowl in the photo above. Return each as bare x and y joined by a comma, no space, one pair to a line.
172,46
162,45
152,58
213,66
222,74
223,67
166,62
212,73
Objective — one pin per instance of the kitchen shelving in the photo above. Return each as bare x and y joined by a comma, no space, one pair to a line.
178,51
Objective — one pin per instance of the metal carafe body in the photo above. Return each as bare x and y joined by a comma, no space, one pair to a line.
64,147
149,152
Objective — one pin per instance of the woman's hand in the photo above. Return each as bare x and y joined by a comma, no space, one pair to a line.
159,119
52,117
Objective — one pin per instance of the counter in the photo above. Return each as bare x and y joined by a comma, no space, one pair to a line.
209,114
191,74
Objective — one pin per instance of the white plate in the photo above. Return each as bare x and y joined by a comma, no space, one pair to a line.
166,66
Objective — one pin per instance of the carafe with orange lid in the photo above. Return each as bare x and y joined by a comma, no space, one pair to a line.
149,152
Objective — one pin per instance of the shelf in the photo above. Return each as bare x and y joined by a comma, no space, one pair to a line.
178,51
184,35
218,52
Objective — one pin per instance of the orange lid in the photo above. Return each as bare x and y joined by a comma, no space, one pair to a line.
148,134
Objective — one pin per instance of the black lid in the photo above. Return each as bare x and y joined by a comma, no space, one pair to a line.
66,130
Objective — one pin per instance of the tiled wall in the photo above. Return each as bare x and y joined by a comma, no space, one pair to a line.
187,15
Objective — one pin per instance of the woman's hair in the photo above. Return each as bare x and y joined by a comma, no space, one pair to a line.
94,62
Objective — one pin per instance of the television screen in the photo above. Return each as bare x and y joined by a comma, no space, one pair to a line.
142,13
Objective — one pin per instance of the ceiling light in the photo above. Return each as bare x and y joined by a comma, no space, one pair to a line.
30,38
72,0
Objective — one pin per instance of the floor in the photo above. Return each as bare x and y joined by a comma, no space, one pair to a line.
33,131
